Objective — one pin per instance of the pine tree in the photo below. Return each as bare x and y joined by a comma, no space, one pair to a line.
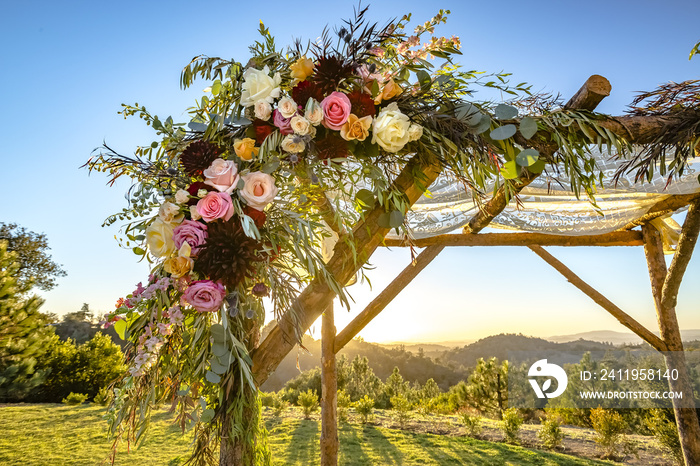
23,332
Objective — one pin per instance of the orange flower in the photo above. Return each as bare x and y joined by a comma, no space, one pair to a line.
356,128
245,148
302,68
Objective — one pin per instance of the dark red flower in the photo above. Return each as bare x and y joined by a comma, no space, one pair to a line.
329,72
198,155
331,147
305,89
261,290
194,188
362,104
262,130
258,216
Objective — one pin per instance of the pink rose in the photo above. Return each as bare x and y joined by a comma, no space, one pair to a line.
205,295
190,232
215,205
284,124
222,175
336,109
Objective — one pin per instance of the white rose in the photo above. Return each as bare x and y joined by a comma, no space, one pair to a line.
287,107
194,212
259,189
390,128
222,175
159,238
170,213
415,132
182,196
263,110
293,144
313,112
300,125
258,85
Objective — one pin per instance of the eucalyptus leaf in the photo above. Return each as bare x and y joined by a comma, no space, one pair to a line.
527,157
197,126
365,198
216,367
396,219
240,121
271,166
212,377
537,167
528,127
219,349
216,87
503,132
484,124
207,415
509,170
505,112
384,220
424,79
468,113
218,332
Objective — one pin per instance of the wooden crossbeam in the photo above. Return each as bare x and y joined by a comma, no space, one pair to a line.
664,207
366,236
624,318
329,391
616,238
386,296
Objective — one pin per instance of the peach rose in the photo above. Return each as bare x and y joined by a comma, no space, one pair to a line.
356,128
287,107
259,190
222,175
263,110
300,125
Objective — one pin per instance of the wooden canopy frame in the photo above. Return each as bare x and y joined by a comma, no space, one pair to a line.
367,235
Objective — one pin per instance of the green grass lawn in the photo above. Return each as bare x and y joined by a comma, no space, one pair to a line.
70,435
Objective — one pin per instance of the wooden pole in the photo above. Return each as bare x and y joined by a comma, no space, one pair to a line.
329,391
624,318
615,238
684,408
386,296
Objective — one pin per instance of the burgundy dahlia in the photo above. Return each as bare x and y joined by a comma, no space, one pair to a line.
332,146
362,104
198,155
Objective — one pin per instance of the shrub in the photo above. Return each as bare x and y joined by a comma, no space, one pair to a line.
402,407
550,434
279,404
75,398
609,427
104,396
472,423
510,425
364,407
308,401
666,433
343,405
266,398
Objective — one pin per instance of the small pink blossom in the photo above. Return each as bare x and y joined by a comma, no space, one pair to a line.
215,205
336,110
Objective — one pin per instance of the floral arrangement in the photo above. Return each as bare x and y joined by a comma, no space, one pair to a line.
232,208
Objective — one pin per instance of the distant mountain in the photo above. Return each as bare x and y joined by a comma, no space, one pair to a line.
508,346
617,338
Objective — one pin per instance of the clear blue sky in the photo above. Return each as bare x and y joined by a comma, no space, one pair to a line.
67,67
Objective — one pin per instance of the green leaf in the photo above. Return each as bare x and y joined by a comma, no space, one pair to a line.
138,251
219,349
375,88
505,112
424,79
528,127
503,132
271,166
218,332
384,220
212,377
120,328
537,167
509,170
468,113
216,367
207,415
216,87
484,124
527,157
365,198
396,219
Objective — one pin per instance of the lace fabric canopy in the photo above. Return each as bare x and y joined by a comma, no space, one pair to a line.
546,206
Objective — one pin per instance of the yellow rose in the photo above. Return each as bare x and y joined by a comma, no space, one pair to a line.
356,128
159,238
245,148
302,68
390,90
181,265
